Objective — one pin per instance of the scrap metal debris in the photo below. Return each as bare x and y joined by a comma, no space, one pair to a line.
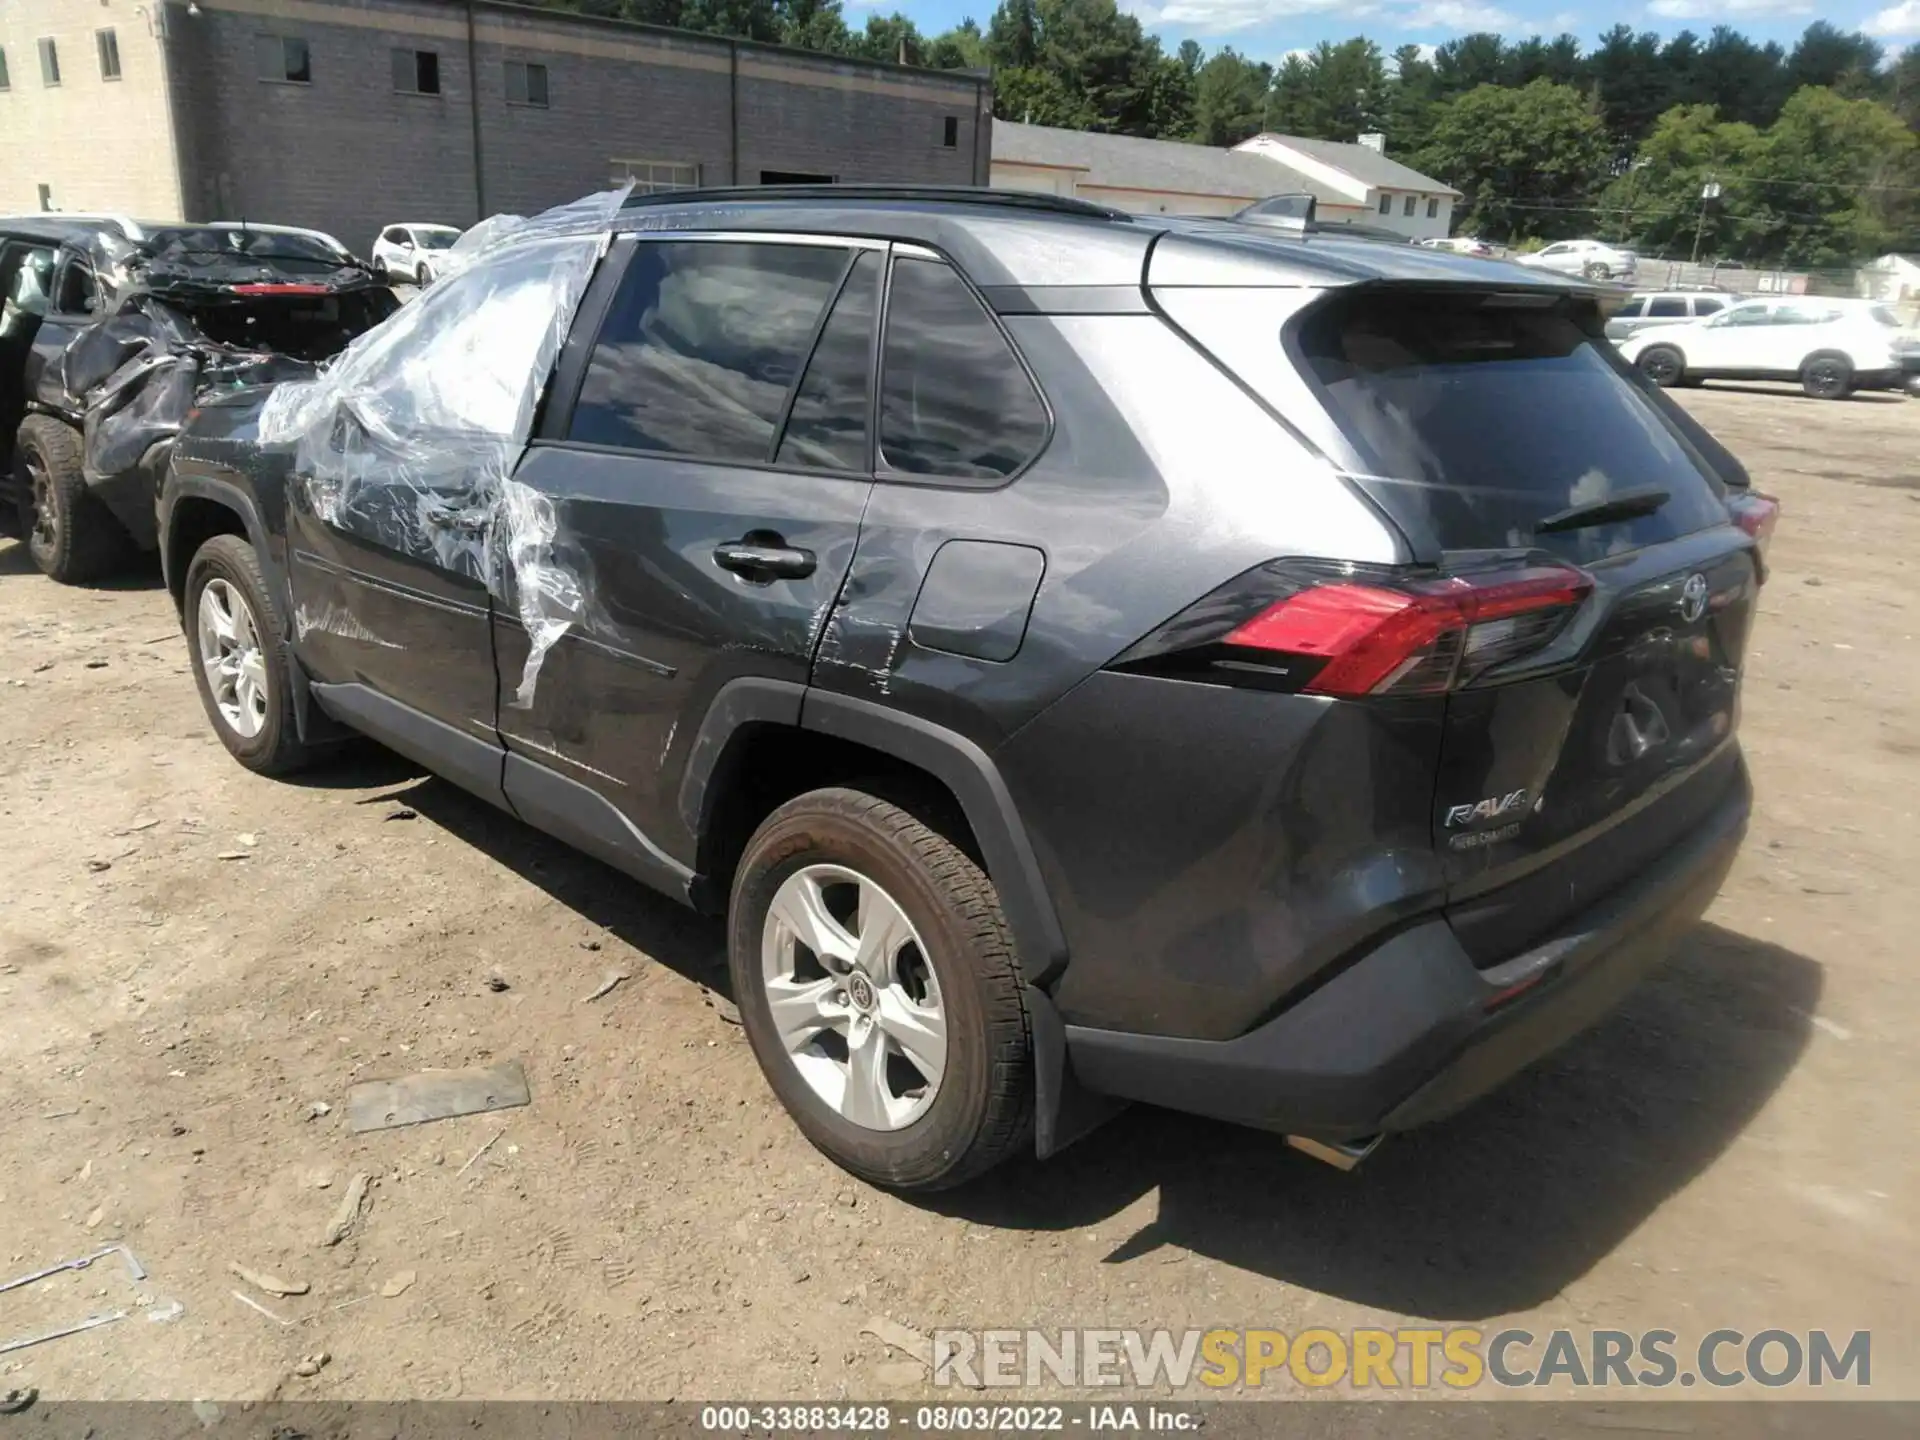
135,1270
92,1322
435,1095
271,1284
255,1305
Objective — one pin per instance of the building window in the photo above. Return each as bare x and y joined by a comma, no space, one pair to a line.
1386,204
654,177
526,83
49,63
951,137
1433,209
416,72
284,60
1407,209
108,44
46,197
6,81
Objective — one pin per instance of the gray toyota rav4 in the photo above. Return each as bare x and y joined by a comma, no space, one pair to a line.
1086,658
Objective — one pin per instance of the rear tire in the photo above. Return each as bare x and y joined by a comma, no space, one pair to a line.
1595,270
944,962
241,663
1663,365
71,536
1827,377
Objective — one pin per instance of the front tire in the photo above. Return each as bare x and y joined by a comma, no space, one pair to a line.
1595,270
878,988
71,536
1663,365
241,663
1827,377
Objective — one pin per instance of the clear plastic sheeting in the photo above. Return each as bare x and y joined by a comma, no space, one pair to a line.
410,439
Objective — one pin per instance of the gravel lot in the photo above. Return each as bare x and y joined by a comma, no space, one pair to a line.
191,958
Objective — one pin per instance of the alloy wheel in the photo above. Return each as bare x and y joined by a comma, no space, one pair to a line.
853,996
45,532
1826,379
231,655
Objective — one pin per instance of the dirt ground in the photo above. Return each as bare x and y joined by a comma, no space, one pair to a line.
193,960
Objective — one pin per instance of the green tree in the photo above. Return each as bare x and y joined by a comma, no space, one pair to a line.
1833,182
893,38
1229,99
1903,87
1741,80
1013,35
815,25
1527,160
961,48
1469,62
1834,59
1411,97
1346,91
1631,84
1035,96
1290,111
1656,206
744,19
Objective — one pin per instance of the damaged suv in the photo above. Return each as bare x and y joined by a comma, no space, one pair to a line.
121,329
1087,658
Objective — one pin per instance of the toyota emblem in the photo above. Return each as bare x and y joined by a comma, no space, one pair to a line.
1693,598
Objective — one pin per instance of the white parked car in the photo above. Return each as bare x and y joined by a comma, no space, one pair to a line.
1460,245
1832,347
412,250
1589,259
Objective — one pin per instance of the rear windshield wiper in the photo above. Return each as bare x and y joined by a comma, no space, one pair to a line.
1626,505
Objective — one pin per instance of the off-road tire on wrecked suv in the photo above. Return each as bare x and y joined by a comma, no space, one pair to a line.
225,590
70,535
965,978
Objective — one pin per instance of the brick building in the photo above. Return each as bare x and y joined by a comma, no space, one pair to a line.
350,114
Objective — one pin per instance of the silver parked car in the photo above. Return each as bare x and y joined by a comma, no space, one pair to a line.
1645,312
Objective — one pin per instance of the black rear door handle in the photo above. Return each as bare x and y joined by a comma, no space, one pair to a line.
758,561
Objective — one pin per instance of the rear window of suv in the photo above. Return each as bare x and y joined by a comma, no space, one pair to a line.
1479,418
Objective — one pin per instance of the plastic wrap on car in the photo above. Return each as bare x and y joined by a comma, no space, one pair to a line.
410,437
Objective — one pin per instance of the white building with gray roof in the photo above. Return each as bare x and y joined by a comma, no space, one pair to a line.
1357,183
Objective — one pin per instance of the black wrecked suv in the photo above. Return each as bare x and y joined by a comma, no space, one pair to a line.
1087,658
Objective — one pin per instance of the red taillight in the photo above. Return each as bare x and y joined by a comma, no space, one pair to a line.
279,288
1418,637
1756,514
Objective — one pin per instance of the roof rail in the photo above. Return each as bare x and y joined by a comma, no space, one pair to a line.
833,194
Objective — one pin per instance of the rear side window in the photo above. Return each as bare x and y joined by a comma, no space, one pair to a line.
1666,307
1478,419
827,428
701,346
1632,309
1704,306
955,401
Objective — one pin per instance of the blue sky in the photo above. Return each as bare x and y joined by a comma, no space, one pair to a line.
1268,29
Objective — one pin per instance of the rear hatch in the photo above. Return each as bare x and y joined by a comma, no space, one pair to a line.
1580,598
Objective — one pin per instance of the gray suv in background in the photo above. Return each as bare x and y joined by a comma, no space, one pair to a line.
1651,311
1086,658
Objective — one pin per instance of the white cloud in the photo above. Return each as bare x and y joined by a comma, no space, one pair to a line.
1458,15
1728,9
1896,21
1223,17
1559,24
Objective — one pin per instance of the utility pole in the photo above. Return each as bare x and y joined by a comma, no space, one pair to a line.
1708,192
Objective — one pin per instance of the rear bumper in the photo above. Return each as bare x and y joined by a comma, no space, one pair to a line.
1412,1031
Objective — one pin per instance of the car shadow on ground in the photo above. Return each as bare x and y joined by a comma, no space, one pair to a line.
1493,1211
142,573
1792,391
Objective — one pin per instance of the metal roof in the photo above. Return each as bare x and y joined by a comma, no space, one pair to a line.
1366,165
1131,163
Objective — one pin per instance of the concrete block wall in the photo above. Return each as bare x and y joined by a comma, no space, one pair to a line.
348,154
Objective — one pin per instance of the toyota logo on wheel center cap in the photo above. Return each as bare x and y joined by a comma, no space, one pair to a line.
860,991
